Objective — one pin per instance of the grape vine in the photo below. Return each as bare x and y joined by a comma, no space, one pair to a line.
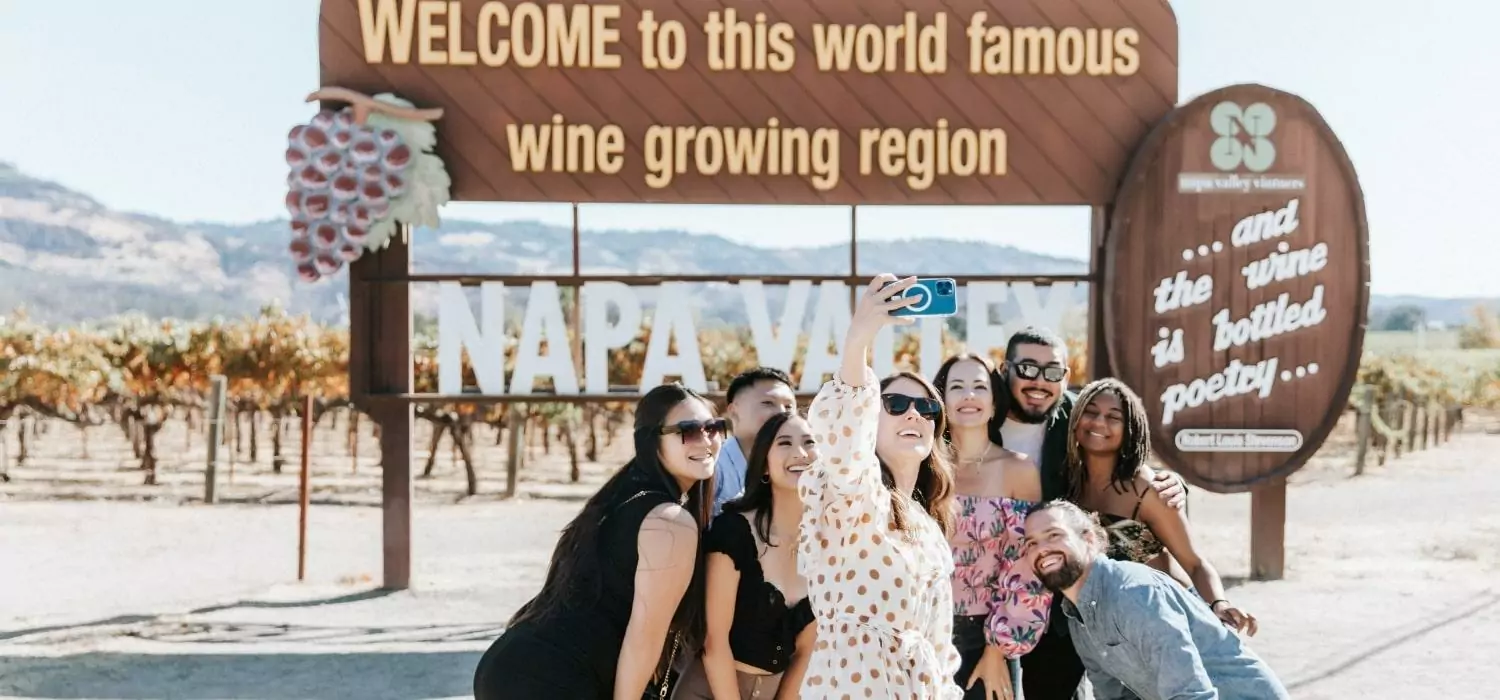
139,374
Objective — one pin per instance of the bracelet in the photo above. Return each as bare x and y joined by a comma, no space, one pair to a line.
1214,605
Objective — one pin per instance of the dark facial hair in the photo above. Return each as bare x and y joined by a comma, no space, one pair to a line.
1025,416
1065,575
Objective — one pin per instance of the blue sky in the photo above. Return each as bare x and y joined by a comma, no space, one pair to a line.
128,101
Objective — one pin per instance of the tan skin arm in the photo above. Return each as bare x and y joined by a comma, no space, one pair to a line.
667,551
791,679
1171,527
722,583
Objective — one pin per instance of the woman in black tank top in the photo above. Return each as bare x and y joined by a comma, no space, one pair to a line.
1107,475
758,617
623,597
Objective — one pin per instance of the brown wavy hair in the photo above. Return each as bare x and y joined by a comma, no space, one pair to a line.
1000,396
934,491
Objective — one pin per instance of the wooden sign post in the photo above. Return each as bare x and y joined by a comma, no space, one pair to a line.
1237,277
852,102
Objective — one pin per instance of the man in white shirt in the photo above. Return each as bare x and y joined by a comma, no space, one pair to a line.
1037,405
753,396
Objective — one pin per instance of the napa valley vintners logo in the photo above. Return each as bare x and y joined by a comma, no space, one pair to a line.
1243,136
1243,148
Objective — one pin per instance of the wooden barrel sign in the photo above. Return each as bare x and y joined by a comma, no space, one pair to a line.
1237,285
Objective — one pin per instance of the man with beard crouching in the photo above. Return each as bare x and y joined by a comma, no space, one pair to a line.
1139,633
1035,377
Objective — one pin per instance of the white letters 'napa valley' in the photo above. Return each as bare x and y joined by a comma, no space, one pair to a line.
776,344
457,329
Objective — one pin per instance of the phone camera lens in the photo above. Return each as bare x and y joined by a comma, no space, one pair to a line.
944,288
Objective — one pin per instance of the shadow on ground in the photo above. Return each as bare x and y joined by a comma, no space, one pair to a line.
367,676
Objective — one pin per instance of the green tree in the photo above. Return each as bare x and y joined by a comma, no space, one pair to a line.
1407,317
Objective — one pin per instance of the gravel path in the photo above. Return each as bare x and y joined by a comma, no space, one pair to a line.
1392,590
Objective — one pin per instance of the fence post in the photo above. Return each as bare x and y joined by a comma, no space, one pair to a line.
515,449
1419,428
1363,424
216,406
303,488
1409,424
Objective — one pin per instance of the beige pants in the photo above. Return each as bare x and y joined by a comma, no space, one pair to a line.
752,686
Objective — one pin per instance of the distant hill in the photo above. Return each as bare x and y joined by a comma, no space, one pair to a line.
68,258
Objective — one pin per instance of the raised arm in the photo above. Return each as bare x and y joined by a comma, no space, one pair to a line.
666,551
843,489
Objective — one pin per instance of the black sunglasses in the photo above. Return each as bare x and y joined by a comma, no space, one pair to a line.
1032,370
693,429
899,404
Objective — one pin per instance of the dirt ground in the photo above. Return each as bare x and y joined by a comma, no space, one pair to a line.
109,589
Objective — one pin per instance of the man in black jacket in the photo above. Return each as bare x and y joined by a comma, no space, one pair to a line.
1035,380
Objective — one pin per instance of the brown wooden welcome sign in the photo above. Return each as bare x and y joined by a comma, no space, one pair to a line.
1237,273
796,102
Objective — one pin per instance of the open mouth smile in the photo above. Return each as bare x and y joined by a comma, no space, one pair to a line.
910,434
1049,562
796,468
1037,394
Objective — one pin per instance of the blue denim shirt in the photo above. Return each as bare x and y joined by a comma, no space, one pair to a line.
729,474
1143,636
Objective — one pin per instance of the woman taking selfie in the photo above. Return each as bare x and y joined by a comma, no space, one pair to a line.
1000,608
877,509
623,595
759,620
1107,474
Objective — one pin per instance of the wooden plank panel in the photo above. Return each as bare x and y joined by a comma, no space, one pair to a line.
1162,228
1069,137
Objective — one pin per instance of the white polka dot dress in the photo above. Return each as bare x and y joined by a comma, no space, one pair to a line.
883,598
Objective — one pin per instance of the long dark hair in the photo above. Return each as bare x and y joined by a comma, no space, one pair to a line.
934,490
1135,444
758,496
574,576
999,392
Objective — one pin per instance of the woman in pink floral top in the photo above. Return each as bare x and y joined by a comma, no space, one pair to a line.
1000,608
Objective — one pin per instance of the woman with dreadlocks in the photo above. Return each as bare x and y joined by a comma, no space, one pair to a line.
1107,474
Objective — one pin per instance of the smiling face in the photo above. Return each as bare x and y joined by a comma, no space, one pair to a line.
757,402
907,437
689,455
1101,425
793,450
1060,552
1034,397
966,394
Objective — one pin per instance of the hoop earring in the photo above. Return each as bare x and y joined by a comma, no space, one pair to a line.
765,478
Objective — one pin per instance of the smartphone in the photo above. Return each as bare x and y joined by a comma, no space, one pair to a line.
939,297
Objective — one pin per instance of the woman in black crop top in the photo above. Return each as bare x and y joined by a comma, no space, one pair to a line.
758,616
623,597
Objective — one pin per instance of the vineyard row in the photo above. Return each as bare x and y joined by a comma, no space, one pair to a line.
139,374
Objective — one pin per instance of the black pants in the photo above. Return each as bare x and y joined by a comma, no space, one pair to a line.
968,636
523,665
1052,671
